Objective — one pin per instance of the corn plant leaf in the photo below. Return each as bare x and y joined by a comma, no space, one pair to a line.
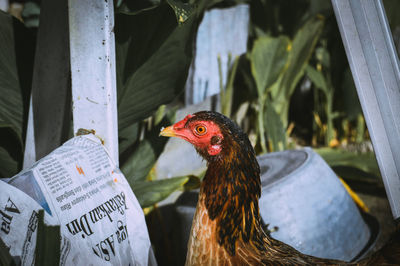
318,79
16,65
153,58
268,59
140,162
274,128
145,154
8,166
11,112
301,50
323,56
337,157
128,136
135,7
182,10
150,192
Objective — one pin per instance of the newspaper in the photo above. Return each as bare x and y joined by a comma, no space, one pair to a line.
81,189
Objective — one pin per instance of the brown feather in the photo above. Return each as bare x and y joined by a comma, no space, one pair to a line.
226,228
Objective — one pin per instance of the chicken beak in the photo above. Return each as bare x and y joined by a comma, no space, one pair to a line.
168,132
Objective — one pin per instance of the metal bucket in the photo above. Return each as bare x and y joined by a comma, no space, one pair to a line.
311,209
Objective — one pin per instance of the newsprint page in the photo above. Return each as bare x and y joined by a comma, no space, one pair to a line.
81,189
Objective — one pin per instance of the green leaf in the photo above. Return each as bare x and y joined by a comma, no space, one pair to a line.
226,94
16,68
150,192
139,164
268,59
322,55
8,166
365,162
128,136
302,48
318,79
274,128
134,7
11,109
144,156
182,10
153,58
47,243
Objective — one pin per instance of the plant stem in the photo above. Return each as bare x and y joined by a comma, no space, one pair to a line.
360,128
329,118
261,129
228,95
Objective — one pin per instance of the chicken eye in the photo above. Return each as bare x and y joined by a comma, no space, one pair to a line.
201,130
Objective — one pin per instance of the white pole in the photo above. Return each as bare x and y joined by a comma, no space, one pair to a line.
4,5
92,47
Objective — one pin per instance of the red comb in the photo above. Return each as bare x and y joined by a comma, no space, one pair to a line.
182,123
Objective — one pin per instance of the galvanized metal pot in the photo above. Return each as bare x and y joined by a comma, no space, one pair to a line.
308,204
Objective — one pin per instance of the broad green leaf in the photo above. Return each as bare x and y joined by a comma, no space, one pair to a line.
139,164
268,59
322,55
150,192
128,136
226,94
341,158
145,154
11,109
134,7
182,10
274,128
48,243
302,48
8,166
241,112
318,79
153,58
16,67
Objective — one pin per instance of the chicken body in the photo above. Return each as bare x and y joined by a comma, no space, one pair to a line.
204,247
226,228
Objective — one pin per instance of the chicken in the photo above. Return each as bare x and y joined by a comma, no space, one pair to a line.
226,228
